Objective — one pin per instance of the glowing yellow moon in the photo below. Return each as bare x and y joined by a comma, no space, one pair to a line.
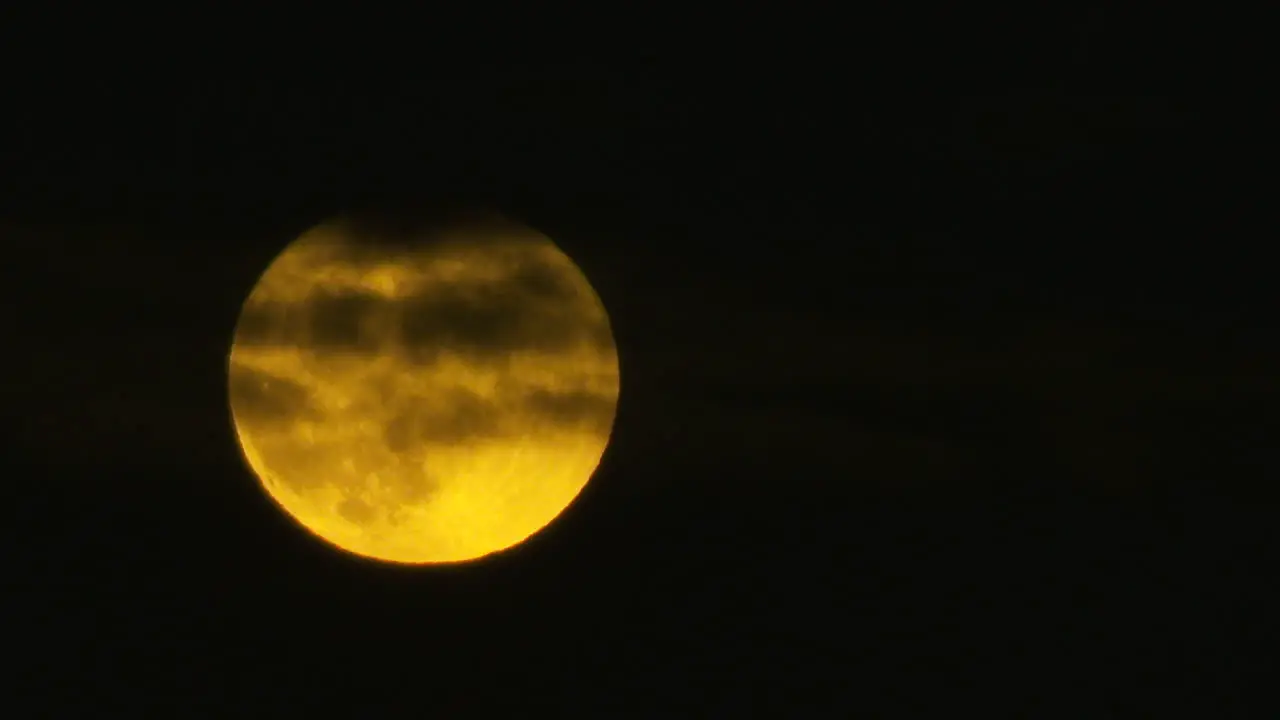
423,395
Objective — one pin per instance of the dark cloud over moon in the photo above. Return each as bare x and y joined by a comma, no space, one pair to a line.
451,416
532,305
511,296
578,408
266,397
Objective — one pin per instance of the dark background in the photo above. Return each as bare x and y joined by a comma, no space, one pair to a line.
927,398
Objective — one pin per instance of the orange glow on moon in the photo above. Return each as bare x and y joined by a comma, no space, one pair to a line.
423,396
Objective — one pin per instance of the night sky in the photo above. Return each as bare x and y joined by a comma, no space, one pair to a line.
924,400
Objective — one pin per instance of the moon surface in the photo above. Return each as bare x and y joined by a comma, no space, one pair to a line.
423,393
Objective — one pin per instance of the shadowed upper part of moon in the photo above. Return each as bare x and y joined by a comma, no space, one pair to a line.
486,301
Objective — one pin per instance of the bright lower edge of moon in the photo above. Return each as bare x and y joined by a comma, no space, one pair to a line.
426,401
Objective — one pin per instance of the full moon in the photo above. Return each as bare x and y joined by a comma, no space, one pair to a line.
423,392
